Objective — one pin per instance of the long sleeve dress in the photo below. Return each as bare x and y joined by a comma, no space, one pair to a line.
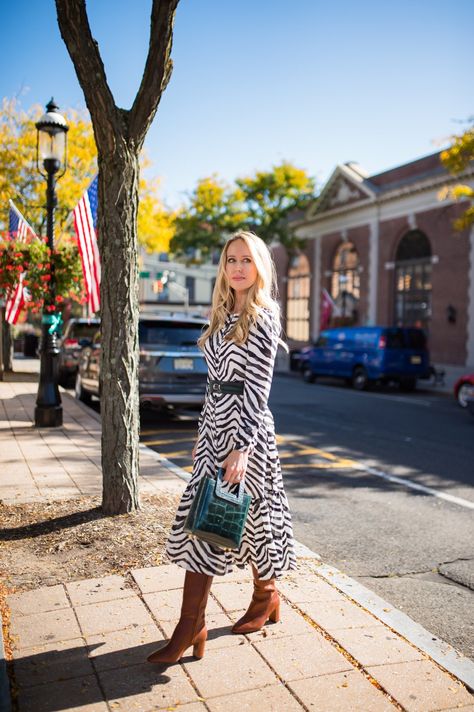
231,421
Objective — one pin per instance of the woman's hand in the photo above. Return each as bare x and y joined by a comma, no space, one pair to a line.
235,466
193,454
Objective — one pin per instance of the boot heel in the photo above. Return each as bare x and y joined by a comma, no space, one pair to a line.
274,616
199,644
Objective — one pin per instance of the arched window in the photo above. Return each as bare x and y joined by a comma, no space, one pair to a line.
345,282
413,280
297,304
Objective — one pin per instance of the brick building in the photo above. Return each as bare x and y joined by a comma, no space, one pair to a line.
385,250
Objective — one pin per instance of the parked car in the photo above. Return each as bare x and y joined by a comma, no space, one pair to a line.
462,388
368,354
78,333
172,370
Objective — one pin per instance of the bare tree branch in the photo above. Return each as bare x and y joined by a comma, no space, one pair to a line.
84,52
158,69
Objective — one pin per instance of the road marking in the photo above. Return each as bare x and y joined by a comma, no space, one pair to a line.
393,397
398,399
414,485
335,462
346,463
177,453
169,441
155,431
319,465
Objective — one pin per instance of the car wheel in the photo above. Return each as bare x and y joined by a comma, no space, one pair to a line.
360,379
80,393
462,393
308,375
408,384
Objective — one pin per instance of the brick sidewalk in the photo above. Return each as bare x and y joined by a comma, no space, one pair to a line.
82,645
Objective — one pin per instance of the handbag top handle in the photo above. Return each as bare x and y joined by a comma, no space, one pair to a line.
224,494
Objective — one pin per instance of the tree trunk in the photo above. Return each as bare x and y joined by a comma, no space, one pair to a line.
119,330
119,135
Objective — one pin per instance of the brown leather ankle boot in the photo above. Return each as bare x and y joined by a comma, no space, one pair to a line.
265,605
191,628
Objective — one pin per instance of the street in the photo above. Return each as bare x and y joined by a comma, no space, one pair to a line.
410,540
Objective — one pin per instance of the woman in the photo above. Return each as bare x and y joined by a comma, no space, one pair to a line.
236,432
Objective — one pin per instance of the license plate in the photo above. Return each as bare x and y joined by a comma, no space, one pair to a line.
183,364
415,359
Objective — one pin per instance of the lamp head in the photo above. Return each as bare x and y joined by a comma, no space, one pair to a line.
52,140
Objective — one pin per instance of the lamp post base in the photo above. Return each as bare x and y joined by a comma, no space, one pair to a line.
48,410
48,416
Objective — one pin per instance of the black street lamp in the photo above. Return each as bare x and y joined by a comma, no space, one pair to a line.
51,161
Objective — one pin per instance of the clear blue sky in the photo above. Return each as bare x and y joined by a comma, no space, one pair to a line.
379,82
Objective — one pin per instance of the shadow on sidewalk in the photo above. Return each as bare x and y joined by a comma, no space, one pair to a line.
70,678
30,531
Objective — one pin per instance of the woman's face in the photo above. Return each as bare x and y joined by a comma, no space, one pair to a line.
240,267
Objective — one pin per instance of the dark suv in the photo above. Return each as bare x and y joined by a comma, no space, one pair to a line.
172,371
78,333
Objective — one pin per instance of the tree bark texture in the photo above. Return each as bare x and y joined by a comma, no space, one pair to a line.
119,330
119,136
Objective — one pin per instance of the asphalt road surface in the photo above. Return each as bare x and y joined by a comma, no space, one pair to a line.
381,485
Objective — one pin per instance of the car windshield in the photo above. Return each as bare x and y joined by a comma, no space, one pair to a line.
169,333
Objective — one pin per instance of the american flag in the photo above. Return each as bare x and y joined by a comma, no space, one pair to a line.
18,229
85,224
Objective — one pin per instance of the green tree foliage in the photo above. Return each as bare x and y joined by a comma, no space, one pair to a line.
262,203
457,159
270,197
212,211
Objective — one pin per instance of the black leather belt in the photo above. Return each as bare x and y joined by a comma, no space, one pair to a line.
226,387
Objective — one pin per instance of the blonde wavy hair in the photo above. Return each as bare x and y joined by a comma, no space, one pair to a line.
263,293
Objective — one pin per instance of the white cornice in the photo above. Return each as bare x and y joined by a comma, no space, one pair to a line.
357,178
412,198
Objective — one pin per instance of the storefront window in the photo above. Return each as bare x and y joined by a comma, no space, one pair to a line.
297,305
413,281
345,283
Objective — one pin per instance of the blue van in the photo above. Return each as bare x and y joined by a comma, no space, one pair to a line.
366,354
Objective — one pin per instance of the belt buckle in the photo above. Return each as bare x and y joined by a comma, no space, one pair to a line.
216,387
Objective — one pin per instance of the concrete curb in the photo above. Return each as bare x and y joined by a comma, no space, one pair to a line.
5,697
439,651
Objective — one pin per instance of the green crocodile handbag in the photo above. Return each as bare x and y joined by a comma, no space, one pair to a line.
217,515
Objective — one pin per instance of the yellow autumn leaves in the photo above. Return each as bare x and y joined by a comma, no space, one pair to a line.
21,182
457,158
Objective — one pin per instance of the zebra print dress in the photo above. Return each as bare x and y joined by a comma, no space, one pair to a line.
243,422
